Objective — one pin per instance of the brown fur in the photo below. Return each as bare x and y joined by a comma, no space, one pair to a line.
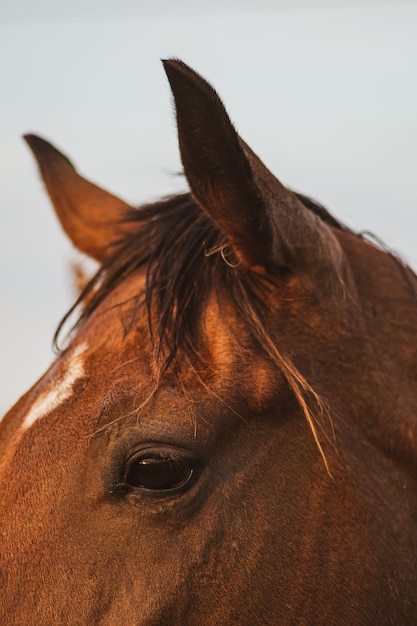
214,361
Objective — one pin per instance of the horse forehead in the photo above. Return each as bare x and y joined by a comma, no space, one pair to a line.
114,345
58,385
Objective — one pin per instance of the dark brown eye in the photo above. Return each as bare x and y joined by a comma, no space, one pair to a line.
158,473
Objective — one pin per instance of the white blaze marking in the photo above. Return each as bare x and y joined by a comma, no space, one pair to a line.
50,399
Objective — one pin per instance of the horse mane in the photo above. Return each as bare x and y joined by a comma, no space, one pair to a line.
186,256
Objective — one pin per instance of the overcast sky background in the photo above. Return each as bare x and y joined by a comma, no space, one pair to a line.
324,91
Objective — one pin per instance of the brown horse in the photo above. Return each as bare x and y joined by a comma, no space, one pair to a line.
230,435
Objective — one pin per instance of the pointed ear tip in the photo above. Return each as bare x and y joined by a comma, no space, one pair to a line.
176,67
38,146
168,66
172,62
44,151
31,138
168,63
36,143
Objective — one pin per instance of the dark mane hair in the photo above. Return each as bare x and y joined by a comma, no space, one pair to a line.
184,254
186,257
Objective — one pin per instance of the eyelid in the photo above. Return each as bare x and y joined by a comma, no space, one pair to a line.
159,450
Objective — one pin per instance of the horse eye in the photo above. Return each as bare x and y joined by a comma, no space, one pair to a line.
158,473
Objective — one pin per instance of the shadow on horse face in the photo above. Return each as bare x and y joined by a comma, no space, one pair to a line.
229,436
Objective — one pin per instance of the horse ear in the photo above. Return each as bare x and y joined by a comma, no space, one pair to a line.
91,217
264,222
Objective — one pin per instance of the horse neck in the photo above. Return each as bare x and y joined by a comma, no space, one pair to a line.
386,293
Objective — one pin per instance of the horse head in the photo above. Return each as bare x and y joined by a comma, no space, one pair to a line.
229,436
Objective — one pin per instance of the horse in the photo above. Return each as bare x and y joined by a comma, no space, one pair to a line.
228,434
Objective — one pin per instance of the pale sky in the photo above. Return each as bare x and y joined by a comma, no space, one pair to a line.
324,91
27,11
